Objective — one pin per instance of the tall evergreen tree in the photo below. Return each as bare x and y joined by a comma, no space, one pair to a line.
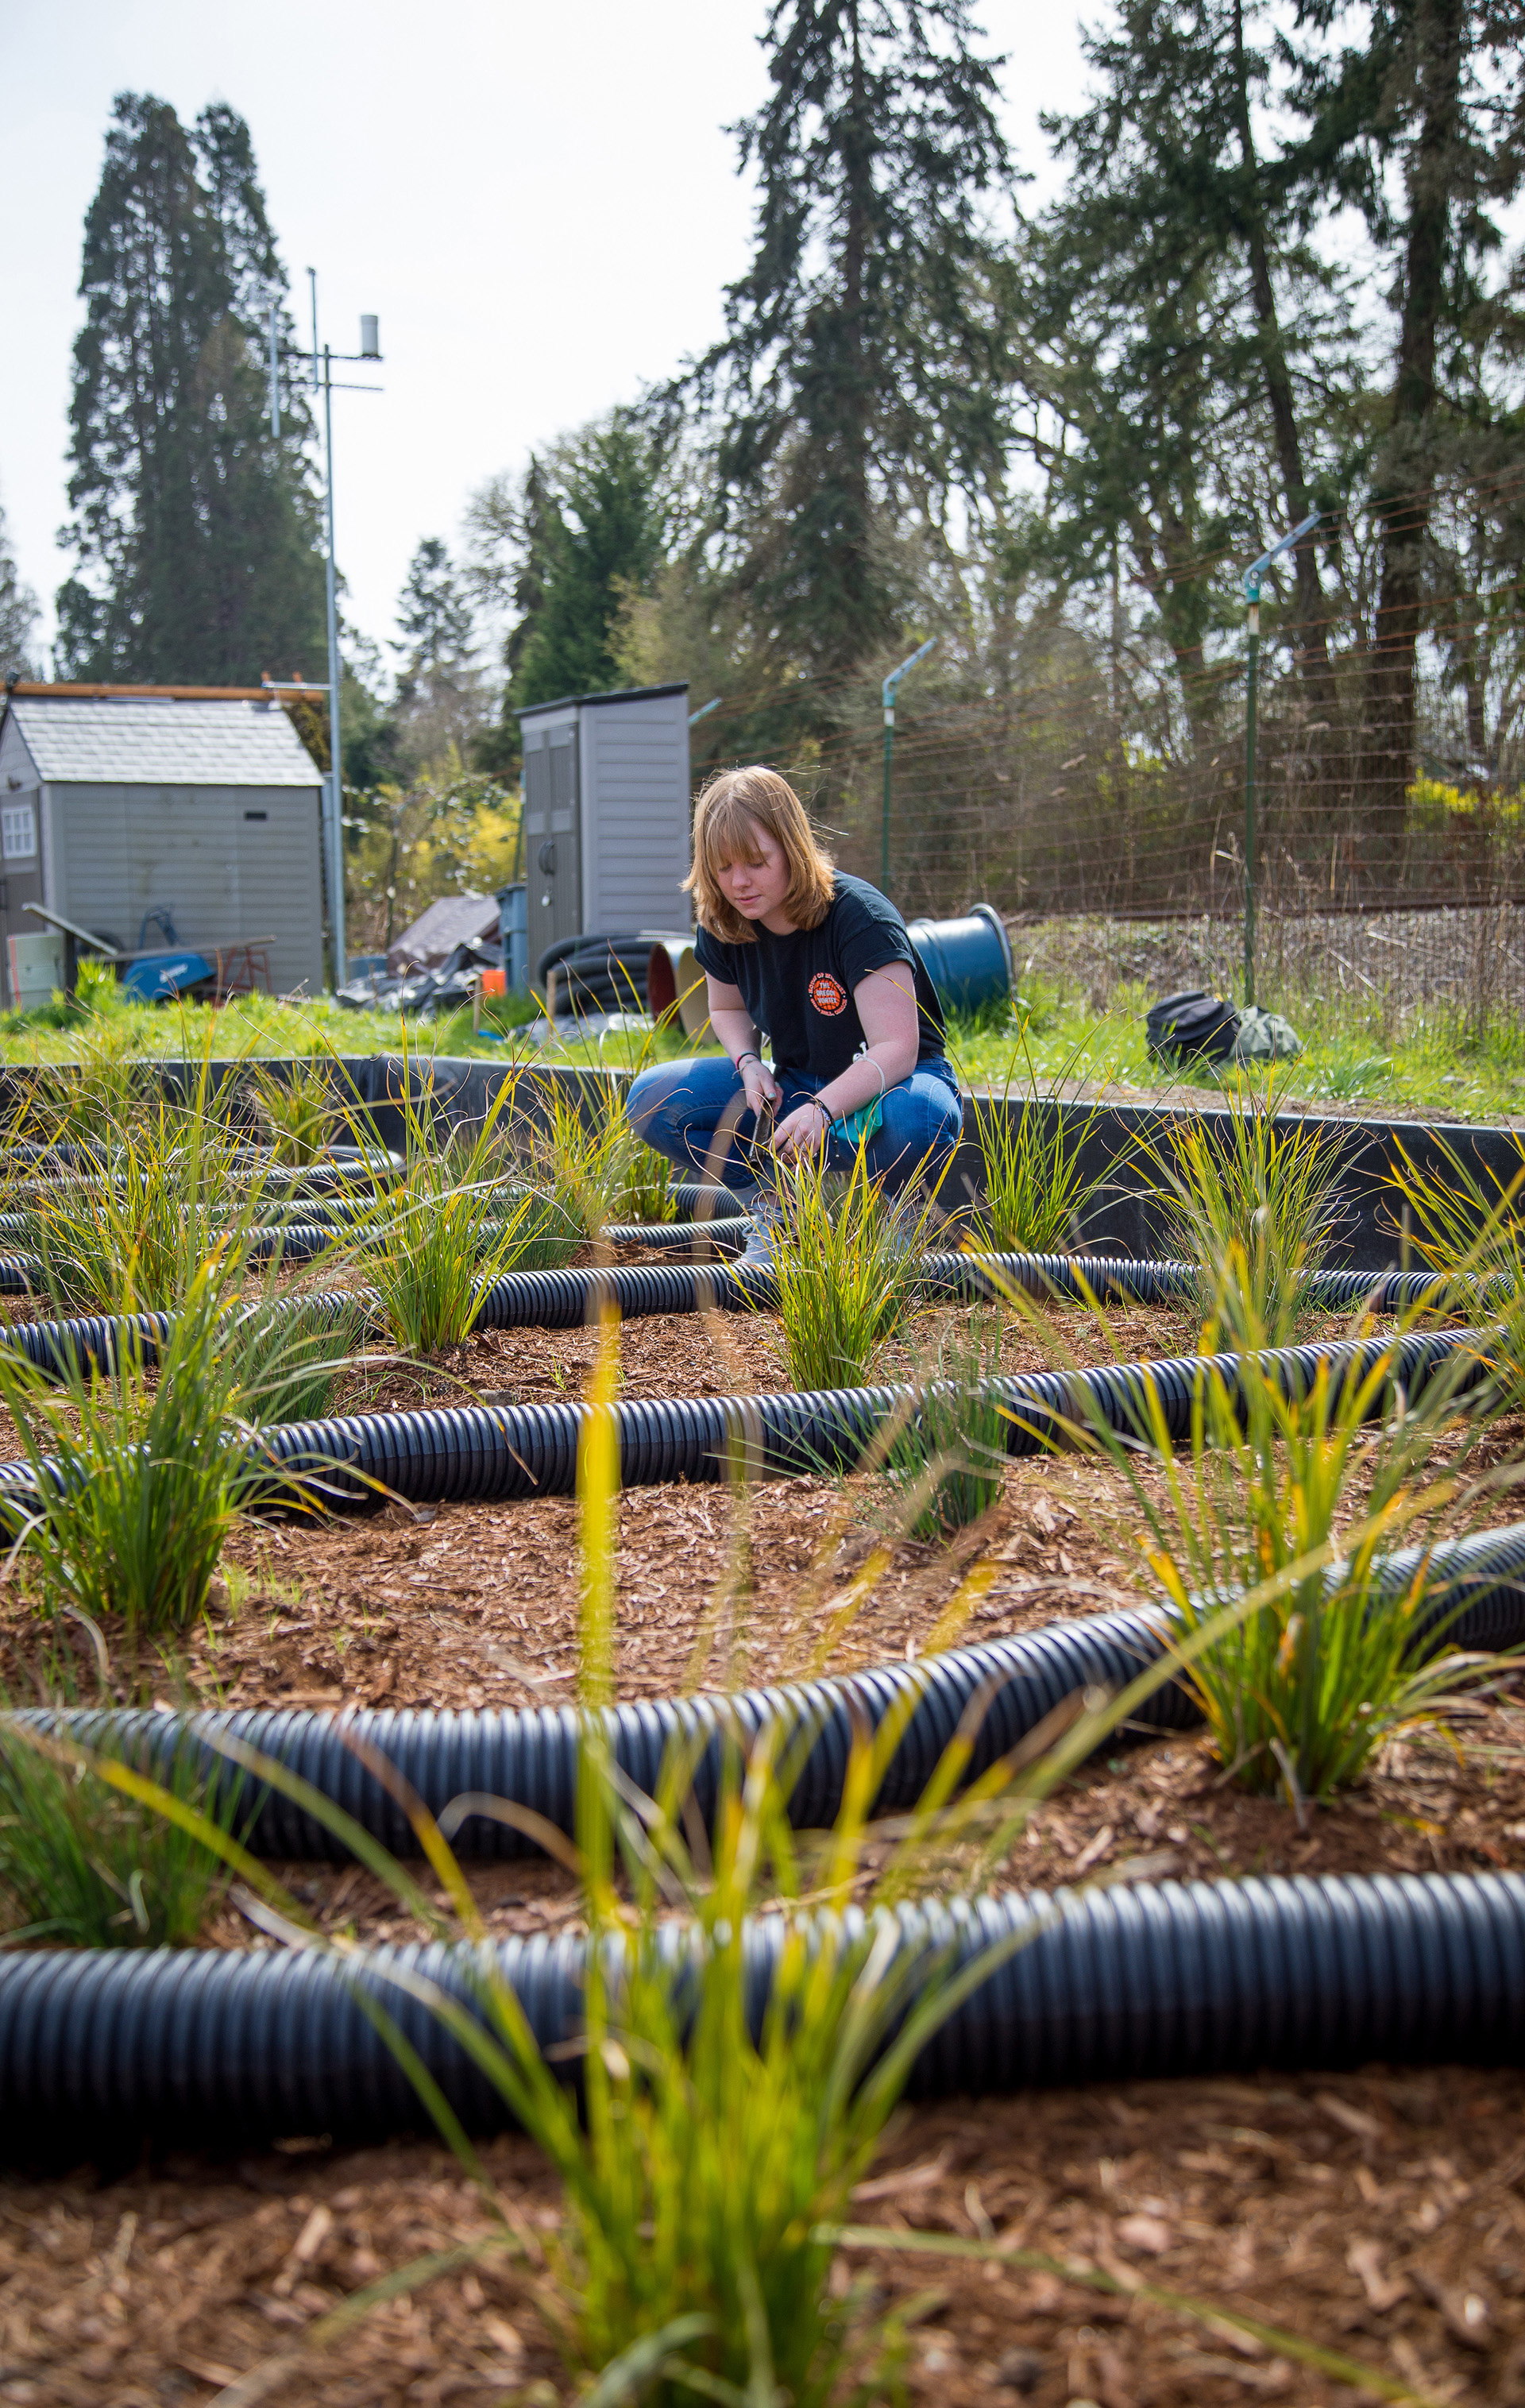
592,532
1423,124
860,366
434,619
17,615
1183,323
195,529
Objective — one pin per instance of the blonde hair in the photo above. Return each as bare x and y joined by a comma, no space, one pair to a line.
721,834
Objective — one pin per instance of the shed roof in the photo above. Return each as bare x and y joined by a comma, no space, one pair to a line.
148,740
624,693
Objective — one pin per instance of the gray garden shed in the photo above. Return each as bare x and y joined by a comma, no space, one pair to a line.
119,802
607,814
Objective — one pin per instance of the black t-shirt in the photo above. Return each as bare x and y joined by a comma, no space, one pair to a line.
799,988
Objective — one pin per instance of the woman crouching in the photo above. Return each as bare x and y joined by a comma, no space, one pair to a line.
822,966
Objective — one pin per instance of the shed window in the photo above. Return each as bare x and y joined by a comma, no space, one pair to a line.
19,832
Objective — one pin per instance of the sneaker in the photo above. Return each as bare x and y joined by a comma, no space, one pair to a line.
765,1215
910,1230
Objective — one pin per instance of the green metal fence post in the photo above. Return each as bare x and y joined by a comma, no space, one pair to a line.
1249,799
1253,575
890,683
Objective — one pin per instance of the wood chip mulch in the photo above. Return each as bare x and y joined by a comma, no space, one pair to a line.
1375,2214
1379,2214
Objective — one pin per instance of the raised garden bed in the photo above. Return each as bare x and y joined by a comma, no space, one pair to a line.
1377,2214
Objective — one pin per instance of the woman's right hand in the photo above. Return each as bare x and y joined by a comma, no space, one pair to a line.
762,1087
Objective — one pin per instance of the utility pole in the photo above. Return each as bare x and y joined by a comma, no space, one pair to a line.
891,684
321,365
1253,575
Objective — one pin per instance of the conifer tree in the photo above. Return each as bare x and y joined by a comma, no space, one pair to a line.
1423,124
861,367
18,614
592,532
1173,300
196,530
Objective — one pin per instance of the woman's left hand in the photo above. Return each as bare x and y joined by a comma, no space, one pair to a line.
803,1134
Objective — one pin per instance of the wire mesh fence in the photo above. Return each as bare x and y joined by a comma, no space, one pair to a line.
1389,858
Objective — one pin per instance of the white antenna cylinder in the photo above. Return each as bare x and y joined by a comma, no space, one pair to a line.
370,339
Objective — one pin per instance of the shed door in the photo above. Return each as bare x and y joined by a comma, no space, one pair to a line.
21,875
553,848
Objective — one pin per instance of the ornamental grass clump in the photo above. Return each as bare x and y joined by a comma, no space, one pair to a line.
579,1153
133,1480
844,1265
173,1190
453,1225
1031,1144
1463,1218
1298,1499
1254,1207
82,1865
296,1116
949,1460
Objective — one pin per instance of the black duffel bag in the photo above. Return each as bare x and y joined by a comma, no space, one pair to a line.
1192,1027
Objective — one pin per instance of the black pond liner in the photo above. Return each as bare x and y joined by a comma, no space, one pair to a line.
1474,1599
103,2049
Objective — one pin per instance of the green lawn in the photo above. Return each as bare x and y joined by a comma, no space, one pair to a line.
1431,1063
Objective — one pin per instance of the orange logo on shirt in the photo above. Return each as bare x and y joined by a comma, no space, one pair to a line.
826,994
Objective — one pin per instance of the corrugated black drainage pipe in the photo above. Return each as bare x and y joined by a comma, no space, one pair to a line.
1475,1598
569,1299
513,1451
103,2050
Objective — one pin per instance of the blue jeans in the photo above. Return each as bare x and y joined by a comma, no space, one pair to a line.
677,1106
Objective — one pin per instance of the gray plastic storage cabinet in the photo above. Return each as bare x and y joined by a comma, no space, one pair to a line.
607,814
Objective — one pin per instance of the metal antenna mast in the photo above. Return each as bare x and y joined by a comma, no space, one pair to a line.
321,362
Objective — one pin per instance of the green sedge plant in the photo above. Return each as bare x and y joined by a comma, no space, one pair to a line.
1031,1143
1299,1493
295,1114
452,1226
81,1866
1255,1207
1462,1217
174,1190
947,1460
291,1353
134,1482
846,1266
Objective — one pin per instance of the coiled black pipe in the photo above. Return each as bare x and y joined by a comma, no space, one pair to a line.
1474,1599
100,2050
566,1299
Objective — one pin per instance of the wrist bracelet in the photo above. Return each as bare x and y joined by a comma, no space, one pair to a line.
748,1057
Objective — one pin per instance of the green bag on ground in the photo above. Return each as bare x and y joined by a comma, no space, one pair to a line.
1264,1036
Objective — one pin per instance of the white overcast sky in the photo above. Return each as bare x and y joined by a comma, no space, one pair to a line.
539,202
